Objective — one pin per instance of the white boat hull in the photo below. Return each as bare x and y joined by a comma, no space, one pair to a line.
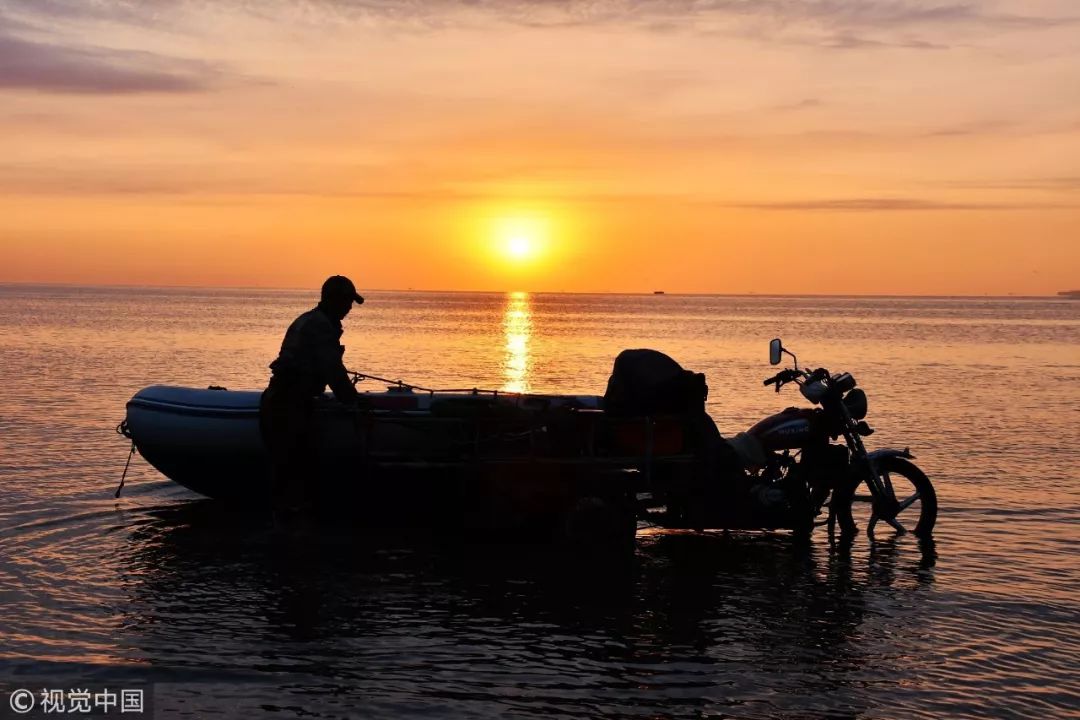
412,452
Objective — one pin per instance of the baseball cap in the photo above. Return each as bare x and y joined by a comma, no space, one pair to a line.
339,286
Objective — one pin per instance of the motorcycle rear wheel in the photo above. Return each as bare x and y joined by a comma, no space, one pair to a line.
911,488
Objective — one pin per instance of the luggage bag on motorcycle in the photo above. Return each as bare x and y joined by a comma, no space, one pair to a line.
648,382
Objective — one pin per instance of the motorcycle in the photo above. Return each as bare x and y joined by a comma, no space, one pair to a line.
792,466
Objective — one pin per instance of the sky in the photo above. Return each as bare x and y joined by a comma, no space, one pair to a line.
727,146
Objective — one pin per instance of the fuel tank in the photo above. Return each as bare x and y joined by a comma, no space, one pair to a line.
793,428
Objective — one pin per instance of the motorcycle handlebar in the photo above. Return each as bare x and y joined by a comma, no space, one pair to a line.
785,376
782,377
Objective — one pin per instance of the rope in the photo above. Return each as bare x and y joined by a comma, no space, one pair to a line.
127,465
359,377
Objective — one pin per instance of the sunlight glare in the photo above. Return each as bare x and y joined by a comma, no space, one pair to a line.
519,247
517,327
520,239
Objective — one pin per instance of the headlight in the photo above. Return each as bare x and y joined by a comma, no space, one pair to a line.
856,404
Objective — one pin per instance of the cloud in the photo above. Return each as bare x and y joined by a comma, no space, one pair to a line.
661,15
842,19
116,11
881,14
163,177
804,104
420,183
32,65
976,129
1052,184
838,13
847,41
877,204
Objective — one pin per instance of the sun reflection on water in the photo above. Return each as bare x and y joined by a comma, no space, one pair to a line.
517,329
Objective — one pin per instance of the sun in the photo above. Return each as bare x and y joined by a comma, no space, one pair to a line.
517,244
520,239
519,247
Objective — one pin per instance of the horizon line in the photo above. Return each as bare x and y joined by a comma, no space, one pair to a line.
121,286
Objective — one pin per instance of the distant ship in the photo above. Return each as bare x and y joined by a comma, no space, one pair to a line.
1074,294
658,292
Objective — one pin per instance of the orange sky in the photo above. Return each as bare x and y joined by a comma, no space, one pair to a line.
823,146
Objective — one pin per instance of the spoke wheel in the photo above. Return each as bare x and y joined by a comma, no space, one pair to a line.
911,489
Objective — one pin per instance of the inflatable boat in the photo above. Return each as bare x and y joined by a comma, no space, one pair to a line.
482,459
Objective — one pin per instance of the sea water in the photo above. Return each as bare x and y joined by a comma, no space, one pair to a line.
213,616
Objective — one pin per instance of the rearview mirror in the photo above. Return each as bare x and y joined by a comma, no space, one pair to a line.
776,350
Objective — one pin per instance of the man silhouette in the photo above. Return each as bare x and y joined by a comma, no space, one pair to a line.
310,359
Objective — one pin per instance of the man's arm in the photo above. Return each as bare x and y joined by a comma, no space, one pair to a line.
328,356
338,379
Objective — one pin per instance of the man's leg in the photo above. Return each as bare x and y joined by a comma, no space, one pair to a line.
284,423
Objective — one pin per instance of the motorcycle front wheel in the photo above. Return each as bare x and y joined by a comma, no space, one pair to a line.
912,490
